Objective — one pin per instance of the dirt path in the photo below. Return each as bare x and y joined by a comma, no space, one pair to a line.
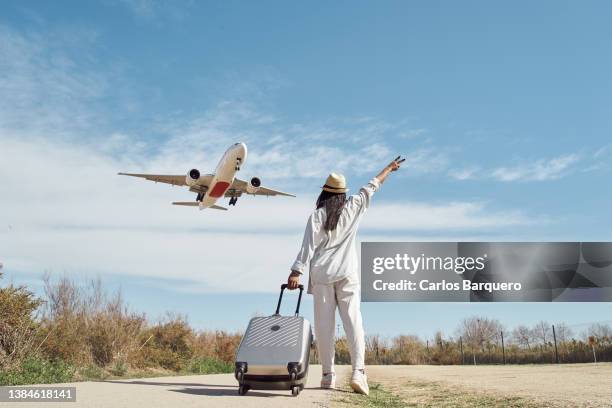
579,385
583,385
218,390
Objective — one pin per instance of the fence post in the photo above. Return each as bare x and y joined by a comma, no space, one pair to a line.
556,350
461,348
503,348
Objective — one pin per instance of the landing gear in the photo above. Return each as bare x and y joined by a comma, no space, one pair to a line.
238,163
295,390
233,201
200,197
243,389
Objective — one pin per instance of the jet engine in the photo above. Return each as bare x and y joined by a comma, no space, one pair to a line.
192,177
253,185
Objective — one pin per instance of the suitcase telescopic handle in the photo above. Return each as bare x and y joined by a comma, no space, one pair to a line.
280,298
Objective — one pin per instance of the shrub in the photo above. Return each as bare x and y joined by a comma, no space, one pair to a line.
119,369
36,370
209,365
218,344
87,326
92,372
168,344
17,325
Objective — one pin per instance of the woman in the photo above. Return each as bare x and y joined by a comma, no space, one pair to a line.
329,250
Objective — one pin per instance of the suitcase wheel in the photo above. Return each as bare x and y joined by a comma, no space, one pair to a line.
243,389
295,390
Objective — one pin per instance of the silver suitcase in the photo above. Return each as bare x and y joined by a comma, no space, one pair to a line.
274,352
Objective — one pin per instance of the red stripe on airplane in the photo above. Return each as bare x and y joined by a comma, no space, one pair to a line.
219,189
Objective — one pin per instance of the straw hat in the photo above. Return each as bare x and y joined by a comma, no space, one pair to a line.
335,183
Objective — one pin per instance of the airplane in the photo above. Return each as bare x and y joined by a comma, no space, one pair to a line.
222,183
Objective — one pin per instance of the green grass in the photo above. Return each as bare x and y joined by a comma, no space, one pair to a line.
428,395
378,398
92,373
208,365
119,369
34,370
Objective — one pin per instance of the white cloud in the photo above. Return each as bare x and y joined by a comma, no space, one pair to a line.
422,216
539,170
465,173
44,91
141,8
283,150
602,152
413,133
600,159
153,10
69,211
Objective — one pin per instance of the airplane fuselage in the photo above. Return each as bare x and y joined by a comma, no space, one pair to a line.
225,172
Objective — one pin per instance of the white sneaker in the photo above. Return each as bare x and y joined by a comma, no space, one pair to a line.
359,382
328,380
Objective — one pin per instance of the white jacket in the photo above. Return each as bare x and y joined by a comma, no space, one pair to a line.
332,255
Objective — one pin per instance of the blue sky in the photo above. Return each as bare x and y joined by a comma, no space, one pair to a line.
503,111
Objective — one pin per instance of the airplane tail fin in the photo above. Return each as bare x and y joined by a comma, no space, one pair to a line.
196,204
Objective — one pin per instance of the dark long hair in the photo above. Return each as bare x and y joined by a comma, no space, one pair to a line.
333,203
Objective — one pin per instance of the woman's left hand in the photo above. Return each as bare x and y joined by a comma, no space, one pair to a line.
293,281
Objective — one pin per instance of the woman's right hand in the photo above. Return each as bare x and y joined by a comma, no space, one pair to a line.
393,166
396,163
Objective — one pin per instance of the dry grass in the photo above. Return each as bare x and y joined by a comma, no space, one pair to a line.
426,395
432,394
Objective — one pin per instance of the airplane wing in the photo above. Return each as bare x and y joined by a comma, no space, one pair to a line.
175,180
160,178
241,186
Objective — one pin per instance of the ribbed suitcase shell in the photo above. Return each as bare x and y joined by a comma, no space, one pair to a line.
268,347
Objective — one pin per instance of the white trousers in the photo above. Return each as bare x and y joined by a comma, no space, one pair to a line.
346,295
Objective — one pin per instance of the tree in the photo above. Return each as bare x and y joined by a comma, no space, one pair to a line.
543,332
522,336
601,331
439,339
373,346
480,332
563,332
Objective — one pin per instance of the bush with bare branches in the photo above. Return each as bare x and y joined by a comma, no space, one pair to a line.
18,326
86,326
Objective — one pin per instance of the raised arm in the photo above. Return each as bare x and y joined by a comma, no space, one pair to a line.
393,166
361,201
